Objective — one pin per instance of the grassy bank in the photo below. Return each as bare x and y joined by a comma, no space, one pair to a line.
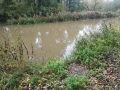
62,17
94,65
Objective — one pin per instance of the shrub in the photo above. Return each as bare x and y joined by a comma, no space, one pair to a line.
62,17
22,20
12,21
110,14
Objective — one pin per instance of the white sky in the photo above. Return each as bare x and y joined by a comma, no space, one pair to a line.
108,0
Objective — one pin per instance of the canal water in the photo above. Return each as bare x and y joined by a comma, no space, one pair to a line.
51,40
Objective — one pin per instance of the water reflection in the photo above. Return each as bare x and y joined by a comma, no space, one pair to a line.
87,30
57,41
39,34
46,33
7,31
38,40
65,36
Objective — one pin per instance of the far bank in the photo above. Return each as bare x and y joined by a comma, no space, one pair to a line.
61,17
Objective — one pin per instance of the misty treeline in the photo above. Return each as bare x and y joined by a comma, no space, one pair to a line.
29,8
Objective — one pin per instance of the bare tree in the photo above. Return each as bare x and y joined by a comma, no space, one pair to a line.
85,2
92,4
96,2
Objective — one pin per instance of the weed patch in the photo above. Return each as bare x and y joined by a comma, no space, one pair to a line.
98,55
76,82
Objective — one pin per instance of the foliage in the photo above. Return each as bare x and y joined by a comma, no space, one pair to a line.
11,81
62,17
90,49
21,8
15,9
76,82
11,54
101,5
76,5
57,67
13,67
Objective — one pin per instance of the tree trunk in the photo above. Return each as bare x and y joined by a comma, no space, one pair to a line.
39,3
95,4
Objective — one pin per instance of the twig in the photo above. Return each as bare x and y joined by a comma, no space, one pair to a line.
26,49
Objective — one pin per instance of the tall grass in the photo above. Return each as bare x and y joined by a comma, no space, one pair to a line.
13,66
62,17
